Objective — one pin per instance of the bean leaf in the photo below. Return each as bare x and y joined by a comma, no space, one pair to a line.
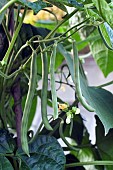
101,100
105,11
102,55
104,142
35,6
45,153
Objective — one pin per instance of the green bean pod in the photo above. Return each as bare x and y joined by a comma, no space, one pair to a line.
77,80
44,87
28,103
53,88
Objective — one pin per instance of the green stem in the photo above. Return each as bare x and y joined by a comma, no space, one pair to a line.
52,14
106,84
11,75
100,10
59,37
84,41
19,51
75,148
5,59
6,31
7,5
76,25
89,163
62,22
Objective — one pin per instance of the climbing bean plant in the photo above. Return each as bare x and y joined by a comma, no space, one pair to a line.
30,54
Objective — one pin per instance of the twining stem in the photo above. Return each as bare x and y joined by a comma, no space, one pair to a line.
11,20
6,31
60,37
75,148
16,92
88,163
5,59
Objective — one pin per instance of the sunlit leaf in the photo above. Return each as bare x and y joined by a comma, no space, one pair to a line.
102,55
107,35
104,10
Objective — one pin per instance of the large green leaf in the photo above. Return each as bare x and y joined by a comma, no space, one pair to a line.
101,100
105,11
102,55
104,143
5,164
2,3
45,153
35,6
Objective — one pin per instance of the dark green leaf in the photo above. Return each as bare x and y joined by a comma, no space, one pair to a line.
35,6
45,153
6,142
101,100
71,3
76,3
5,164
2,3
100,132
58,4
72,159
104,143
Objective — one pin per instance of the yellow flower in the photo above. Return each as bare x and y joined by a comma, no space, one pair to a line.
62,106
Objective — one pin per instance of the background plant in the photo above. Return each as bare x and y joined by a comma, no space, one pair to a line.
29,54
